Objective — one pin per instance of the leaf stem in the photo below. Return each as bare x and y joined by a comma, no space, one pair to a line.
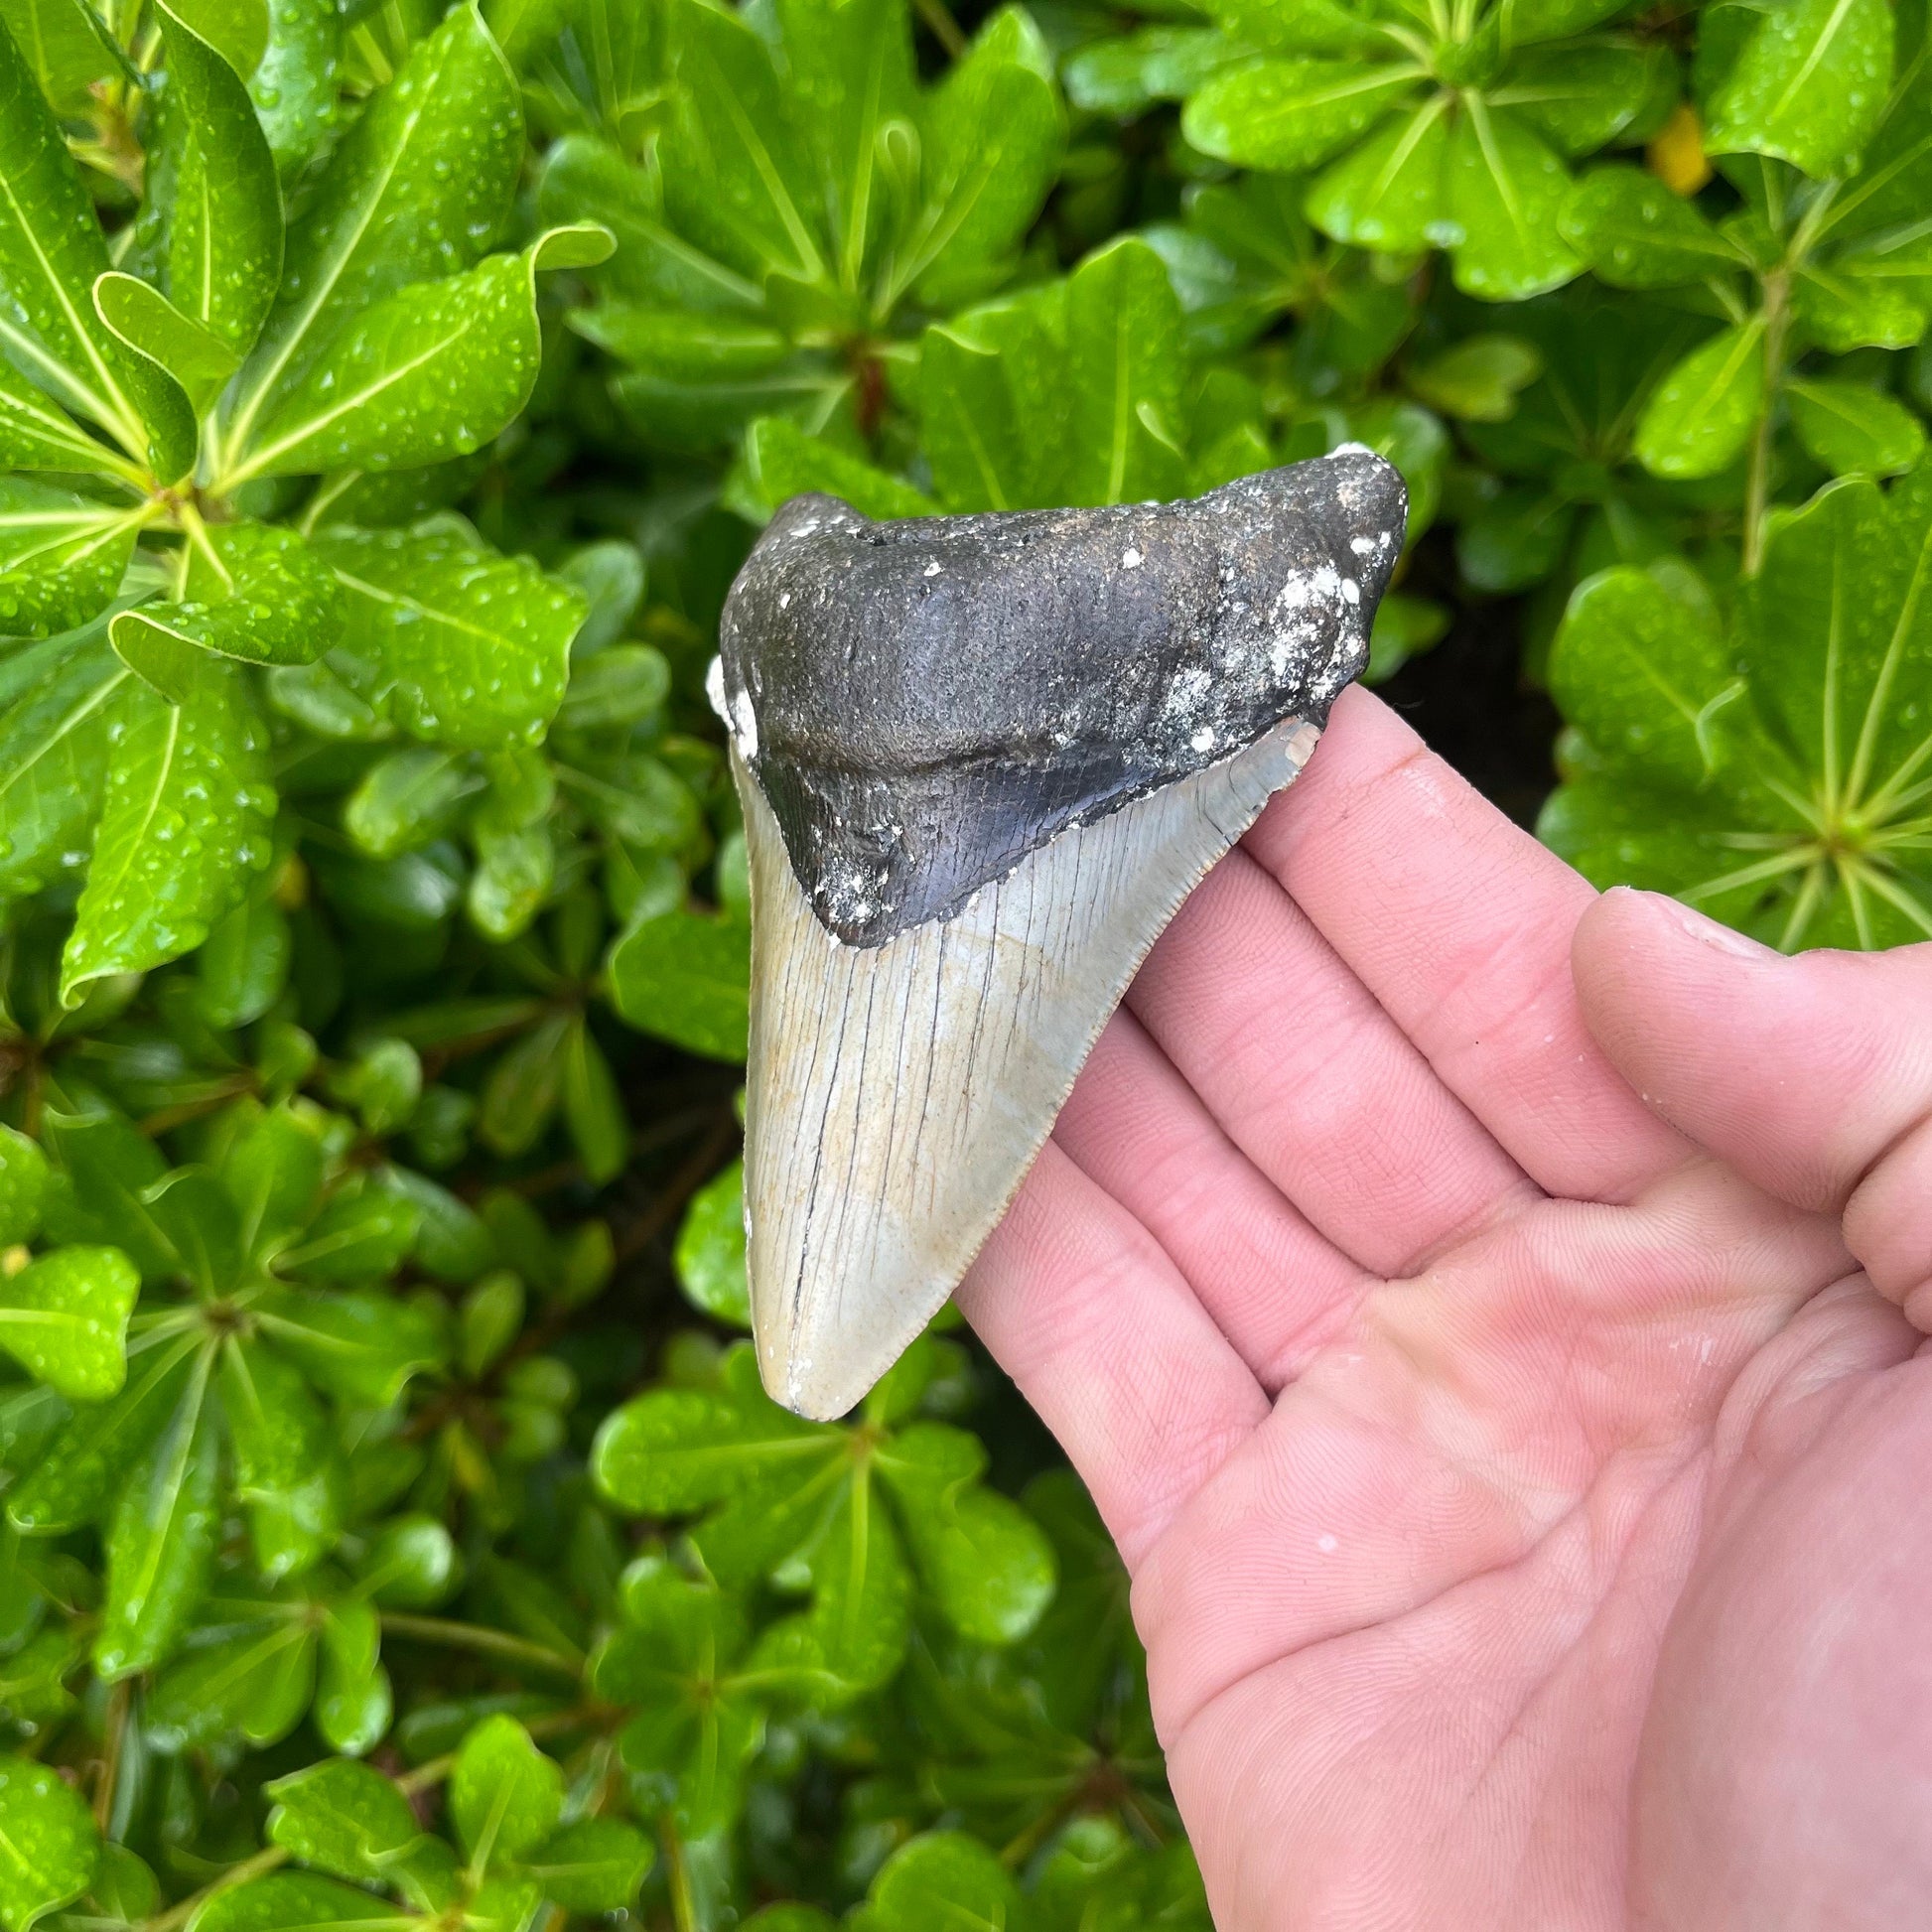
944,28
1757,494
479,1637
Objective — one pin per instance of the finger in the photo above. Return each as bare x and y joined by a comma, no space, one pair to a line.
1459,924
1272,1284
1811,1075
1103,1337
1311,1080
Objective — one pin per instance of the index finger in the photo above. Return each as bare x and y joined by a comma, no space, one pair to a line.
1460,922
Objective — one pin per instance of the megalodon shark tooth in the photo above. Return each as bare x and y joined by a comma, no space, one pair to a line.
982,760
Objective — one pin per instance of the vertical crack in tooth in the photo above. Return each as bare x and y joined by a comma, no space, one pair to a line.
899,1093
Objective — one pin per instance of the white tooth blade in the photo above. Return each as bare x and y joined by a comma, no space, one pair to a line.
897,1094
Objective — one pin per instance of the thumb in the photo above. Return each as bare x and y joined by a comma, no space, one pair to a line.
1811,1075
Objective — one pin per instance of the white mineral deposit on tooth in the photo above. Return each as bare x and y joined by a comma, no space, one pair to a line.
968,817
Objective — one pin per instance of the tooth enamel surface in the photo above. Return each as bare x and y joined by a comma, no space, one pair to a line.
983,760
899,1092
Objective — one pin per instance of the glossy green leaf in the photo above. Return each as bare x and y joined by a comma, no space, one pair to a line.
1700,417
710,1254
184,818
411,1564
1123,334
505,1796
67,46
1479,378
114,1170
428,373
23,1188
471,648
61,557
686,977
1644,673
286,1901
1808,86
35,433
146,321
991,138
1294,115
1636,234
679,1449
50,252
1506,195
249,1679
362,1348
294,85
419,189
1852,430
781,461
224,240
161,1538
286,1474
987,1563
354,1699
342,1817
593,1865
944,1881
49,1845
1391,193
63,1317
405,800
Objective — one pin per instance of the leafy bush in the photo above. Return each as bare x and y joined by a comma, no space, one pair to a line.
394,1526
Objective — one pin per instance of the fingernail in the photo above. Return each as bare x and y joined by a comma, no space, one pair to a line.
1709,932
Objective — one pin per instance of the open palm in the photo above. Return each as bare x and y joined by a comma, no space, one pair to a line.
1477,1359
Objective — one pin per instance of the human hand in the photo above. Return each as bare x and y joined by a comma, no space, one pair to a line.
1522,1483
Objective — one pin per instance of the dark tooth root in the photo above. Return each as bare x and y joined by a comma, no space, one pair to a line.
924,703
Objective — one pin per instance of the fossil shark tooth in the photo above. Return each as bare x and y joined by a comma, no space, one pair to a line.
983,760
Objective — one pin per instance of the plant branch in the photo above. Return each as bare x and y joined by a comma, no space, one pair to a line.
481,1638
1757,494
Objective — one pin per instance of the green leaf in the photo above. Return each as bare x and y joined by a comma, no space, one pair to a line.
1479,378
426,374
294,1901
944,1881
674,1450
245,964
1644,674
505,1796
1636,234
737,180
593,1865
1852,430
986,1561
68,47
1391,191
710,1254
61,557
353,1700
1809,85
23,1188
1292,115
49,1846
686,977
1700,417
53,752
148,322
362,1348
405,800
342,1817
237,30
37,434
411,1564
992,134
781,461
419,189
250,1680
593,1108
862,1593
224,237
185,815
253,592
114,1170
63,1317
50,252
1506,193
161,1538
294,87
469,648
285,1473
1127,363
